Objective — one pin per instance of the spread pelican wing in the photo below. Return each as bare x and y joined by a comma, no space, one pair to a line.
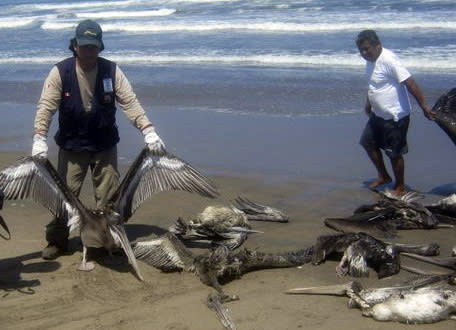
120,237
2,221
156,172
166,253
36,178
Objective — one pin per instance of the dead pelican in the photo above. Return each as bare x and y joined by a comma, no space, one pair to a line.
384,217
445,109
168,253
150,173
445,209
361,251
411,303
222,225
216,225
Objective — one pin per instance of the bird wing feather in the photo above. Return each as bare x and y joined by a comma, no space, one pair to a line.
36,178
166,253
121,239
157,172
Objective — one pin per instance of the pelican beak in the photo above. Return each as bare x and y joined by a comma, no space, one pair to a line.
335,290
418,271
245,230
449,262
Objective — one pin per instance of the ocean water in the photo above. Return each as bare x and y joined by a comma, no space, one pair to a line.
271,33
206,41
219,64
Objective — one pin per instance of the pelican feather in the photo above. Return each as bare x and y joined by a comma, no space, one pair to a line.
36,178
154,172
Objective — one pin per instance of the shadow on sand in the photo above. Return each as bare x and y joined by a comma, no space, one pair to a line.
12,268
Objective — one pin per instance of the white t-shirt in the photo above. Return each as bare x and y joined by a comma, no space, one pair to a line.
386,93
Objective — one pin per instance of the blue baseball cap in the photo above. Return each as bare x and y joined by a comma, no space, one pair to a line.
89,32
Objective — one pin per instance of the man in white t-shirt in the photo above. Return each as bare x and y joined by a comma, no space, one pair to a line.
388,107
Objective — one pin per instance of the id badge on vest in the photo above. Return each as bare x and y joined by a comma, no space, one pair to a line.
108,90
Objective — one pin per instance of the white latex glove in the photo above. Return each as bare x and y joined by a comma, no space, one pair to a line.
40,147
152,139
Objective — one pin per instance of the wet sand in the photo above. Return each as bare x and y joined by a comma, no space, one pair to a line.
38,294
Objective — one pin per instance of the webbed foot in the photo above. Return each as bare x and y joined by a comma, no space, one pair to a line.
86,266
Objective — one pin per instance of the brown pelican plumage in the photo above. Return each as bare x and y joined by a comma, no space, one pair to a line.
168,253
216,225
412,303
150,173
445,109
2,221
258,212
222,225
215,302
361,251
445,209
384,217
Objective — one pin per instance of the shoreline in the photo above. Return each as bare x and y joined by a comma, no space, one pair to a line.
322,149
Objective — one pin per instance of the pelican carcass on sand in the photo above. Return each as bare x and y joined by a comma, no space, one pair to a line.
389,214
414,302
168,253
150,173
445,208
361,251
223,225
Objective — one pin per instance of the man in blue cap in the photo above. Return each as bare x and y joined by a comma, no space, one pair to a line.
85,89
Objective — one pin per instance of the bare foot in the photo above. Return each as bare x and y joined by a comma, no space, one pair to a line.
398,192
379,182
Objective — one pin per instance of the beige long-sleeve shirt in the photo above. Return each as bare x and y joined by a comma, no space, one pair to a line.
51,96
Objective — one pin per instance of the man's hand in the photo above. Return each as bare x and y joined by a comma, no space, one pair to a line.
40,147
153,141
431,115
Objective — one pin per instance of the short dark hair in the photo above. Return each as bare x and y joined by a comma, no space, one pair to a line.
71,46
368,35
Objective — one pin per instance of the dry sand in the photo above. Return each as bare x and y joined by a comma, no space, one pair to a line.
38,294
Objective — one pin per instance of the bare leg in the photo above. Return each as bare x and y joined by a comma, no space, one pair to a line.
376,157
86,266
398,169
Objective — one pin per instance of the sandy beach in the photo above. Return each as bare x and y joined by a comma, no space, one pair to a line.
311,167
38,294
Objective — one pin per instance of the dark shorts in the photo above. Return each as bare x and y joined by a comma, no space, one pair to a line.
389,135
